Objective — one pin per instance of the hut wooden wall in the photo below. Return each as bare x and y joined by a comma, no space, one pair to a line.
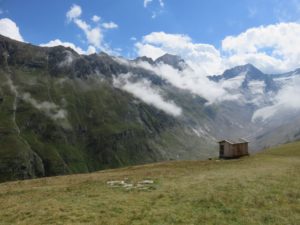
234,150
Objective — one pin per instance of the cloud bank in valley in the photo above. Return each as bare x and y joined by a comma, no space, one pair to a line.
194,81
49,108
143,90
287,101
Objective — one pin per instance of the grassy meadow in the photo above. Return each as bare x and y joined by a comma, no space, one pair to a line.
259,189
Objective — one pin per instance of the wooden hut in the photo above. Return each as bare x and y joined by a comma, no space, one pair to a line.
233,148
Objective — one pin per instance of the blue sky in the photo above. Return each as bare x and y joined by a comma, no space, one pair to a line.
205,22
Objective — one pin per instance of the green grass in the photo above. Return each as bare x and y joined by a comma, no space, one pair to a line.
260,189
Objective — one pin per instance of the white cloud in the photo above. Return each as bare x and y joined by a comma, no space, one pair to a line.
149,50
252,12
10,29
157,8
74,12
93,34
161,3
200,56
273,48
286,10
96,18
146,2
49,108
58,42
285,102
110,25
142,89
194,81
154,15
91,50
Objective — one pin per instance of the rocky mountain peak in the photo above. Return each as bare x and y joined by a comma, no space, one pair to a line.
250,71
173,60
144,59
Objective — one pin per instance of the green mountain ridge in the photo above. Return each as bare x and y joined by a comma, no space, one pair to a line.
61,114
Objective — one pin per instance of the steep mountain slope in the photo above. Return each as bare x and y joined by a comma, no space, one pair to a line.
61,113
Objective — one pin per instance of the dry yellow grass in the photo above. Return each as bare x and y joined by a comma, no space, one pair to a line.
260,189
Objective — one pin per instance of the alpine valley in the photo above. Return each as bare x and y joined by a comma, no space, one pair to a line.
63,113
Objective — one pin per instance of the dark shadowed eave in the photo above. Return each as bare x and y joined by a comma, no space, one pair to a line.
237,141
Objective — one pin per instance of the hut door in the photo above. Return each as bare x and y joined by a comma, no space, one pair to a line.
221,150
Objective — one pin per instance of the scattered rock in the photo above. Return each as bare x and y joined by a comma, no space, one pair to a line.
116,183
146,182
126,184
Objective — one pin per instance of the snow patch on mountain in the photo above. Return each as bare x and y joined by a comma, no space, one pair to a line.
257,87
233,83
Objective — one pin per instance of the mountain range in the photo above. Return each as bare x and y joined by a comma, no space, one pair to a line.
62,113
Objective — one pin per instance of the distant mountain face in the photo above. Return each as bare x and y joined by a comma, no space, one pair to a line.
261,93
61,112
250,77
249,70
172,60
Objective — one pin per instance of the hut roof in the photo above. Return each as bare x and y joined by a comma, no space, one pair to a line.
237,141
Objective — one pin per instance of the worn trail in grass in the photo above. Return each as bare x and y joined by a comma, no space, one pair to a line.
260,189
